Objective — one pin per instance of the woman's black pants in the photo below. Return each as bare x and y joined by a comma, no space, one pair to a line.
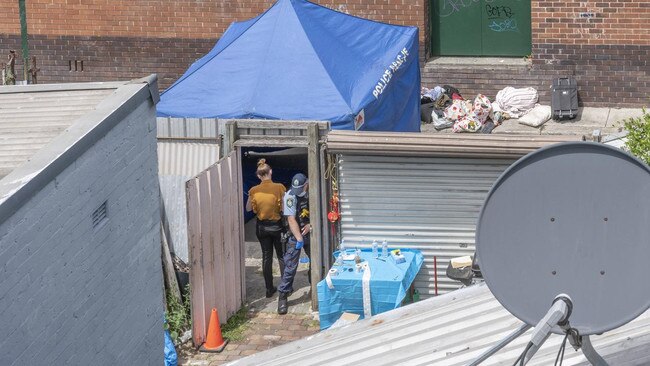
269,234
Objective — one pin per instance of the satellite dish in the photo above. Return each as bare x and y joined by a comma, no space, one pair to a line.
571,218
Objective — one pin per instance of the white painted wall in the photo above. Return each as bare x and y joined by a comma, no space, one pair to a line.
71,294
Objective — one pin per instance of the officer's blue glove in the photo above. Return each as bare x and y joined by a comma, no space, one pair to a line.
299,244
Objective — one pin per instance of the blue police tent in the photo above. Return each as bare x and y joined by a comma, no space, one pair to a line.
302,61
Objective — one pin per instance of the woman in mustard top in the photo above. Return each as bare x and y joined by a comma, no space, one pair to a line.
265,199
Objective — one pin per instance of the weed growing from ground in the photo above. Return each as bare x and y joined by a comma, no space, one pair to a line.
178,315
235,327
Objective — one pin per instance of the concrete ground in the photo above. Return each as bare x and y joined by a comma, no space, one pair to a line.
607,120
299,301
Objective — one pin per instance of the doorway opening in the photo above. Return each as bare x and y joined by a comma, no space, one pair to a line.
285,162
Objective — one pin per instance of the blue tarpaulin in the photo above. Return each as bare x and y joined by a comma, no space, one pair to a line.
389,283
302,61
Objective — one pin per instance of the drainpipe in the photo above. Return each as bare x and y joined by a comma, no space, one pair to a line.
23,36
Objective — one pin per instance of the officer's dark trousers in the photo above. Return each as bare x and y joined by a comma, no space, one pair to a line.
270,237
291,260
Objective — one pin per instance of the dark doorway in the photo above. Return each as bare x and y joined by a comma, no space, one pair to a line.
285,162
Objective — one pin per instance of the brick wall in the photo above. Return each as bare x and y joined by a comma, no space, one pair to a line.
177,19
591,22
109,58
603,44
73,294
124,39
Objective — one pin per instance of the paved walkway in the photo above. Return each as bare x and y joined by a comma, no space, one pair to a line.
607,120
266,330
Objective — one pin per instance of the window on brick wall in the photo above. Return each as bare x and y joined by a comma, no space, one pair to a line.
480,27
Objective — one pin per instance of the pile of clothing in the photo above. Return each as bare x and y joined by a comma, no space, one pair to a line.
445,107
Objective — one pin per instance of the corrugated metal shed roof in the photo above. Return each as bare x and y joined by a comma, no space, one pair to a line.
457,145
32,116
452,329
44,128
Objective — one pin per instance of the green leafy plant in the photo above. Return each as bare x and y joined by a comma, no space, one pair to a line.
235,327
178,314
638,137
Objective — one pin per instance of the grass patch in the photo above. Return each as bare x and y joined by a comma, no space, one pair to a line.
235,327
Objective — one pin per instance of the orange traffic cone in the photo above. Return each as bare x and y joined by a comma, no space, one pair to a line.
214,341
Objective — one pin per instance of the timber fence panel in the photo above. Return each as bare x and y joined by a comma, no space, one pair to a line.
196,265
217,234
213,212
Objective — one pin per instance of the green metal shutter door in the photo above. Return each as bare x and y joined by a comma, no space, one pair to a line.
456,29
506,28
480,27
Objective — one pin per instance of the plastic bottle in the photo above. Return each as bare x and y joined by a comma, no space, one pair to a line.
375,249
384,249
339,258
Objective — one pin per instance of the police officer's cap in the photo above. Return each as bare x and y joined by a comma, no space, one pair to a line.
298,183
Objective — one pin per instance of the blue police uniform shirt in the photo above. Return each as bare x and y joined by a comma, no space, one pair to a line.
289,203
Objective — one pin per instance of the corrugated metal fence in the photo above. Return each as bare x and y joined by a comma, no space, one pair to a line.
186,146
192,128
429,204
216,243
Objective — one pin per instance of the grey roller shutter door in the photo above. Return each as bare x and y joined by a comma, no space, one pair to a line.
424,203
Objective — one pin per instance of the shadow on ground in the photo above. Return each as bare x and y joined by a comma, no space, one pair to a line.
299,301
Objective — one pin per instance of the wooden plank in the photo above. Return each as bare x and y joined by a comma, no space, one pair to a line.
232,137
365,136
457,141
207,244
238,228
199,322
242,242
228,222
416,148
168,266
229,138
314,213
325,194
233,213
421,149
217,240
271,141
281,124
251,131
432,153
282,138
221,126
335,134
287,132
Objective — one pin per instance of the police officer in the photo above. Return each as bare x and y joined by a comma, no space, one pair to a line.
296,211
